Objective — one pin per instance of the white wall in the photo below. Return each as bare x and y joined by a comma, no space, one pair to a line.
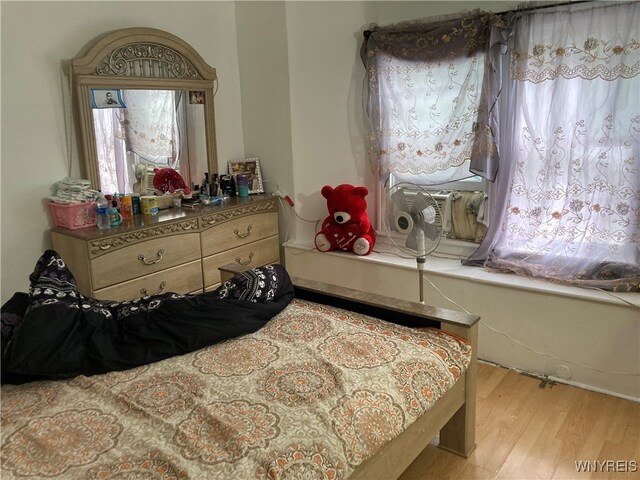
35,37
264,80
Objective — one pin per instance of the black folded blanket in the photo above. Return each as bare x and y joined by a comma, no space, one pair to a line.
63,334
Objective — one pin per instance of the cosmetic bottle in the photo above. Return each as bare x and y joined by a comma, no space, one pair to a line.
114,216
126,206
243,185
215,187
228,185
204,189
135,202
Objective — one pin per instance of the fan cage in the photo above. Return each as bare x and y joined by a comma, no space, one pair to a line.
441,202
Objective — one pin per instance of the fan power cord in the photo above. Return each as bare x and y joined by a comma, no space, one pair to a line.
526,347
286,198
291,203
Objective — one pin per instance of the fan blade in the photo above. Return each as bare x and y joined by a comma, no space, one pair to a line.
431,231
412,240
420,202
399,200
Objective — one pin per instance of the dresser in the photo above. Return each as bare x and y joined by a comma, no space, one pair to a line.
179,250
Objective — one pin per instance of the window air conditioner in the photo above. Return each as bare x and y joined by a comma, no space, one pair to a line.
444,199
147,184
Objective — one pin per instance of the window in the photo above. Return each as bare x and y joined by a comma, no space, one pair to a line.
432,105
566,198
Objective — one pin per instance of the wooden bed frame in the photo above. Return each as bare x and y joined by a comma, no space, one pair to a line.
454,415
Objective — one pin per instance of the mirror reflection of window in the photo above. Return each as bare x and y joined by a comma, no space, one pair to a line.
153,131
111,150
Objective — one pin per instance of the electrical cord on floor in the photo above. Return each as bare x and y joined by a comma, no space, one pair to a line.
633,374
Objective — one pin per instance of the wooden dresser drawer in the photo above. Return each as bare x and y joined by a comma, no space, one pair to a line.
253,255
238,232
182,279
144,258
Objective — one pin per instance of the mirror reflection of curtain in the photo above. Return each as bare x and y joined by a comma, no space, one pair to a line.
181,101
151,126
111,151
151,130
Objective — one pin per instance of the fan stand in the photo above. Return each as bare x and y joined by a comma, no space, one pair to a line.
421,259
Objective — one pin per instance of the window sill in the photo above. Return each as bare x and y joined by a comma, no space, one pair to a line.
451,267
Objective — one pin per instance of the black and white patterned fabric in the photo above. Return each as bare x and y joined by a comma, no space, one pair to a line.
257,285
64,333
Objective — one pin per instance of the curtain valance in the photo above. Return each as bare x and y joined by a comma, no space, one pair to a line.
432,40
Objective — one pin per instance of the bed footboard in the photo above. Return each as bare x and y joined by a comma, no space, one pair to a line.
453,415
459,434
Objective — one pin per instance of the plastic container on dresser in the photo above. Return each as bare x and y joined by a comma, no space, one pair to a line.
73,215
179,250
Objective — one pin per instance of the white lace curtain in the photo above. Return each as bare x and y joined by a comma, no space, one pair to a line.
111,151
430,98
568,203
151,125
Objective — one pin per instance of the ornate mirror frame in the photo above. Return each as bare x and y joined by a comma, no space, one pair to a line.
140,58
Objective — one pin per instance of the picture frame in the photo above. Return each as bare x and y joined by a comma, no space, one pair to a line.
196,97
251,167
107,98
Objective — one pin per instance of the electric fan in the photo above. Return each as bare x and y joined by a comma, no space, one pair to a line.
413,222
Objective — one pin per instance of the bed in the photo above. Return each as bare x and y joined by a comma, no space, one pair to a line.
319,391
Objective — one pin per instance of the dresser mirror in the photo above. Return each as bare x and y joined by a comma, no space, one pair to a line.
145,100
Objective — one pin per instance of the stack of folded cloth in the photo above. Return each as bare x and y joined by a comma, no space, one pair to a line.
73,190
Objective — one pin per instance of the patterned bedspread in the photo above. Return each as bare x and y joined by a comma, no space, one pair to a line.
312,394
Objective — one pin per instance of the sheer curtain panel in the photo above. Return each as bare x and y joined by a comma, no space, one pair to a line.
151,125
111,150
568,198
430,97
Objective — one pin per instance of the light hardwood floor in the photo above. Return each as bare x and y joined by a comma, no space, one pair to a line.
528,432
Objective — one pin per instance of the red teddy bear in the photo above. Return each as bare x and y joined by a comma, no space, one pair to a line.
347,227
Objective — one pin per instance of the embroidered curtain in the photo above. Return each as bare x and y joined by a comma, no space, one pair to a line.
431,95
111,150
151,125
570,183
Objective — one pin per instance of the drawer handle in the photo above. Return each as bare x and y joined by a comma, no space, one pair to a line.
145,292
245,263
144,260
243,235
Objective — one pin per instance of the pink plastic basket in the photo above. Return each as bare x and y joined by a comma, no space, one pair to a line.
73,216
